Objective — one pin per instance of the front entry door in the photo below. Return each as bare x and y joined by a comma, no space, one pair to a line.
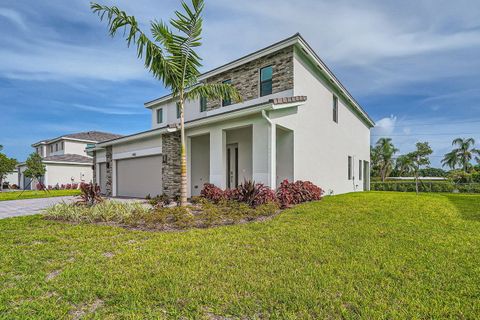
232,166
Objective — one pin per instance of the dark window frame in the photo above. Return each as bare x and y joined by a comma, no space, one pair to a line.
360,169
335,108
262,82
56,147
159,115
350,167
203,104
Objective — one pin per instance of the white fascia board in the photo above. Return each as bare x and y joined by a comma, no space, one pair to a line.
101,159
69,163
137,153
142,135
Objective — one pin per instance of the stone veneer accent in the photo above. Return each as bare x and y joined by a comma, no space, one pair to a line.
109,188
246,78
94,167
171,169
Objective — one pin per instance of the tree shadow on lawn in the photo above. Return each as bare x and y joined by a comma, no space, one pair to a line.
467,204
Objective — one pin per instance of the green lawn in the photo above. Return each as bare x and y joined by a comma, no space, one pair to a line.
18,195
365,255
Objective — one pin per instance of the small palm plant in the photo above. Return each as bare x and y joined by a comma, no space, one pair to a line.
171,57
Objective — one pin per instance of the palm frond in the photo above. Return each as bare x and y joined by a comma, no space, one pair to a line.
214,91
154,57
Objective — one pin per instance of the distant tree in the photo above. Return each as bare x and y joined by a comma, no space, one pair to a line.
382,157
433,172
462,155
1,147
35,167
419,158
7,165
403,165
450,160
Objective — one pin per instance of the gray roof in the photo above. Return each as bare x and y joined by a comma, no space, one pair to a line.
96,136
74,158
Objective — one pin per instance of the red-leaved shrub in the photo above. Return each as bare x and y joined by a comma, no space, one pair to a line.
254,194
290,193
212,193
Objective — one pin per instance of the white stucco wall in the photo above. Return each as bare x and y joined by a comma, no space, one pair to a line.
199,162
11,178
322,146
66,173
141,144
74,147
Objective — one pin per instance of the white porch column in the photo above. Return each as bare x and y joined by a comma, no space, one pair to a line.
114,178
260,152
218,159
272,154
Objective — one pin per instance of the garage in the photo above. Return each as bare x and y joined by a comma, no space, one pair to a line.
138,177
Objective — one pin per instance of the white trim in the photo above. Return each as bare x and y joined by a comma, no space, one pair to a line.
137,153
71,163
101,159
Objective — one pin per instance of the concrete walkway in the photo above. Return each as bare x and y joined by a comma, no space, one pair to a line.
25,207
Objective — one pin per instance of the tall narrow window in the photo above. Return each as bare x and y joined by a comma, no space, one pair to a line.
178,110
56,146
226,102
266,81
160,115
51,148
350,168
360,169
63,145
203,104
335,108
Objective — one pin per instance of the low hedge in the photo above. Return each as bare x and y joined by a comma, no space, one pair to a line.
425,186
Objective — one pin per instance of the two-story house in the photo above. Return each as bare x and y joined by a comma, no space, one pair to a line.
65,159
296,122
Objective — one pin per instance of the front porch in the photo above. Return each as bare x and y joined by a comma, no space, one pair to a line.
226,155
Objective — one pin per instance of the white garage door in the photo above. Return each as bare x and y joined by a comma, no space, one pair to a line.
138,177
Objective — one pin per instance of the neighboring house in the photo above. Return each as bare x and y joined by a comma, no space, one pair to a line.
296,122
10,179
65,158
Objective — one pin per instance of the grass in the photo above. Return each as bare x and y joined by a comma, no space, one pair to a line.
371,255
31,194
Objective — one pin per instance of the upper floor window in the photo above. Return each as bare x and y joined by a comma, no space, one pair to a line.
178,110
56,146
203,104
159,115
266,81
37,150
335,108
350,168
62,146
51,148
227,102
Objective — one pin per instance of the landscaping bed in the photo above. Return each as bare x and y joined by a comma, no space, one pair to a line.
137,216
250,201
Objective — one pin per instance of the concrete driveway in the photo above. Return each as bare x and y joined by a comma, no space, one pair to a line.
15,208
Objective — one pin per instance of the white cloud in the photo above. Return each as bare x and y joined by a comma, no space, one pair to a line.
384,127
115,110
14,17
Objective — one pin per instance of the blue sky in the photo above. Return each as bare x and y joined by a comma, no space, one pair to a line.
413,65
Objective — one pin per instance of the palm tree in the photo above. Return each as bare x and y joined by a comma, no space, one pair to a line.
462,155
171,57
404,165
384,151
450,160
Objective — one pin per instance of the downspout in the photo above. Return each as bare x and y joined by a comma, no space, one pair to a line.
272,159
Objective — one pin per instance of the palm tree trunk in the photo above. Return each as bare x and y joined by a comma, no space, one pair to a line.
183,159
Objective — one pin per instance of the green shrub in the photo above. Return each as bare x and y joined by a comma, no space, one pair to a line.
423,186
